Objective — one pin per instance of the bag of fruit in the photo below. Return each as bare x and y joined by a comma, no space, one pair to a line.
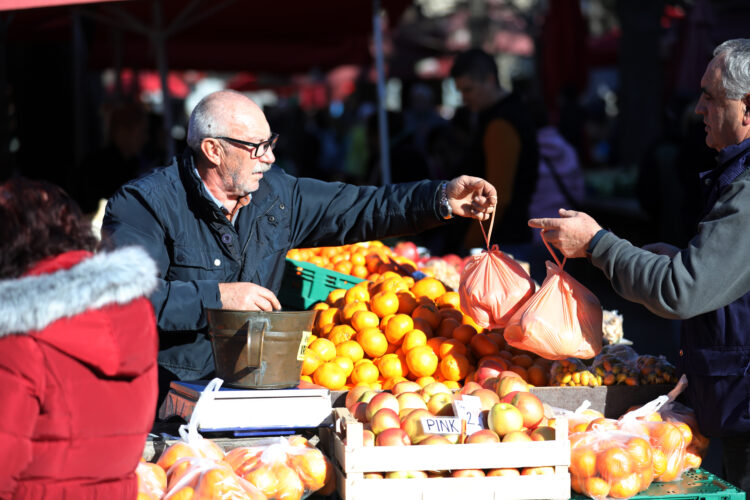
667,440
562,319
606,462
197,478
493,286
191,443
696,444
152,481
284,469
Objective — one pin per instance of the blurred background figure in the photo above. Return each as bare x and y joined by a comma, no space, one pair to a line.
78,376
504,150
120,160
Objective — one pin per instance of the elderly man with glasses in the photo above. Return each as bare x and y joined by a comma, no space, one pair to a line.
219,221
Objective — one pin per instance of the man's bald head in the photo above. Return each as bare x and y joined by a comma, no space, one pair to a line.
219,113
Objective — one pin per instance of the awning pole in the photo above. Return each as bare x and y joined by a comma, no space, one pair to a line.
158,38
377,32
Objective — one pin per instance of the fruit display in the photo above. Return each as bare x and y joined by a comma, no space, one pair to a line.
280,468
518,438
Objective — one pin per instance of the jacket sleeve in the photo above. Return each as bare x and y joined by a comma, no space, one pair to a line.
707,275
334,213
179,305
21,382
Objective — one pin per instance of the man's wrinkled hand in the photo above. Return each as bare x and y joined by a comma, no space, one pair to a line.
244,296
571,233
471,197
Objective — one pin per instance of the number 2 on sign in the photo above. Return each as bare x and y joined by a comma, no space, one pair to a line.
469,408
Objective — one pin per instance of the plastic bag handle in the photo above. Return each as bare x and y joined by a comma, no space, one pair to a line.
554,255
189,431
488,234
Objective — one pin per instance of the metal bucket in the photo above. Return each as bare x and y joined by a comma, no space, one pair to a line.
259,349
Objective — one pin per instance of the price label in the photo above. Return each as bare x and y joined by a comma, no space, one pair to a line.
302,349
441,425
469,408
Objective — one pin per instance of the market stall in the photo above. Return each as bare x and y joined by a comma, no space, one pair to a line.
408,396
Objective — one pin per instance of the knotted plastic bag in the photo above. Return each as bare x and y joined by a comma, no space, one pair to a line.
493,286
562,319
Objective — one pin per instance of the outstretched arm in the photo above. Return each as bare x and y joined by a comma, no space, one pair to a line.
472,197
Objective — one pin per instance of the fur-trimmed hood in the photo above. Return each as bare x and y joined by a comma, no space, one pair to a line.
33,302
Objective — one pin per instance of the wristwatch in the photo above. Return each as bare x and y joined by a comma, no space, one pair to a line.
444,208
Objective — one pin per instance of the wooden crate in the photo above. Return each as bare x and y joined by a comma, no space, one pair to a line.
353,460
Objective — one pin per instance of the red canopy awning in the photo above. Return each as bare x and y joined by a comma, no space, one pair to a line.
34,4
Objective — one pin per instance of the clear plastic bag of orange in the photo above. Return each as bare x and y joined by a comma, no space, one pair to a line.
562,319
493,286
607,462
667,439
284,469
194,478
152,481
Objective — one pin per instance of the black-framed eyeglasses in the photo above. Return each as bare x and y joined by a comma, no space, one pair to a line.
261,148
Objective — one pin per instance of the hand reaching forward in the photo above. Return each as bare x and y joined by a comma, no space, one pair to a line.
471,197
247,297
571,233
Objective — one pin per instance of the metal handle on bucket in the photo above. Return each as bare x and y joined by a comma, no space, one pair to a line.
256,333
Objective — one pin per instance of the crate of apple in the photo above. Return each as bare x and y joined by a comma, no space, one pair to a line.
382,435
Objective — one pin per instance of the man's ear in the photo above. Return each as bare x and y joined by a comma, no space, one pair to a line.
211,150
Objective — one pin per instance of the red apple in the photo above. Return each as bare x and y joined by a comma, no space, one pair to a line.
381,400
354,394
409,401
468,473
543,433
511,384
537,471
359,411
487,369
504,418
392,437
503,472
384,418
405,386
407,249
372,475
529,405
441,404
435,439
368,437
406,474
483,436
516,436
469,387
434,388
412,424
487,398
491,383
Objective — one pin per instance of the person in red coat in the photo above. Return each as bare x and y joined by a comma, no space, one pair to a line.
78,373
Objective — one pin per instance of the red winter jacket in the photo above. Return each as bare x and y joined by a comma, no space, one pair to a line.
78,373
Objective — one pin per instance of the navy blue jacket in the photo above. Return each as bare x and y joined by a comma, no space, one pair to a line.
169,213
715,346
706,284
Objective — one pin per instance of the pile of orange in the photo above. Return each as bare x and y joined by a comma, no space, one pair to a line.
366,260
393,328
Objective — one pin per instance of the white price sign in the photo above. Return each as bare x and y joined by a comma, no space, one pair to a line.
469,408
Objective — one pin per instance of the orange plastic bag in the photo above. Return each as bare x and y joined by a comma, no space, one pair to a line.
562,319
493,286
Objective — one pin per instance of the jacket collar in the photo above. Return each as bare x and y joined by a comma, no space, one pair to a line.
70,287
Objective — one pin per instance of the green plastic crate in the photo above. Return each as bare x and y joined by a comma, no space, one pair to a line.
696,484
304,284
